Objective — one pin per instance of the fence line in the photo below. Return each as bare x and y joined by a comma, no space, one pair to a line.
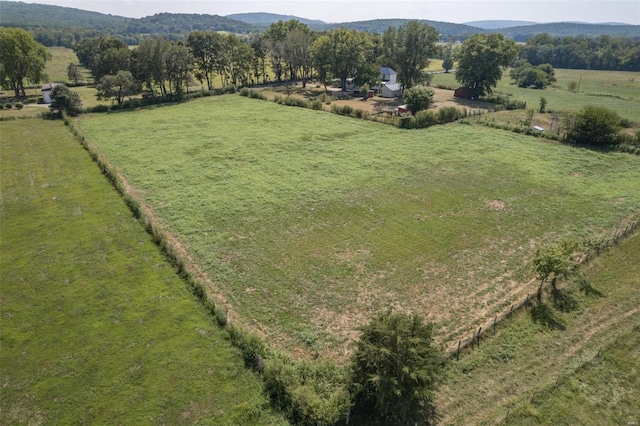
476,335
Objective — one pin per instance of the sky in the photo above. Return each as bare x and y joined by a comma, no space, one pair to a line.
457,11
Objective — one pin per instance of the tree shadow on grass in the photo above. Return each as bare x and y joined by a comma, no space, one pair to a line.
563,300
542,314
587,288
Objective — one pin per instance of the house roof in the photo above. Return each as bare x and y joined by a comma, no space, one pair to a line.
48,86
387,71
393,87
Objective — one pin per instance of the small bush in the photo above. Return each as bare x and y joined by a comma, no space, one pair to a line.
8,105
448,114
244,92
424,119
341,110
1,107
316,105
19,105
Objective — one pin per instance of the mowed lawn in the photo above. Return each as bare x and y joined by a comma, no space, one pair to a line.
96,327
307,223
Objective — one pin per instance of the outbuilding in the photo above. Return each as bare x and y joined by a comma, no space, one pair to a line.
46,92
391,90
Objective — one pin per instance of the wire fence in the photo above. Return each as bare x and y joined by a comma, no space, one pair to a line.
474,340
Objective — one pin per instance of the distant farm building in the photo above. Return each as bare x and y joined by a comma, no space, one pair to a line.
391,90
46,92
388,75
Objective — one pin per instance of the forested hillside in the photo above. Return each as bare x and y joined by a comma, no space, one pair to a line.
62,26
564,29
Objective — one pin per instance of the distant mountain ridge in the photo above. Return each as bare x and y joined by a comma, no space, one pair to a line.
498,24
266,19
51,24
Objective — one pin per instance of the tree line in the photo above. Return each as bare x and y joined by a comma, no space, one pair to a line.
601,53
286,51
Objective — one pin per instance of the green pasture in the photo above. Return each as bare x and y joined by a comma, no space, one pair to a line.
307,223
572,360
96,327
616,90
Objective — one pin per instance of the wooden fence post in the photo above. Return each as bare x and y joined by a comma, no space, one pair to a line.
458,352
494,325
478,338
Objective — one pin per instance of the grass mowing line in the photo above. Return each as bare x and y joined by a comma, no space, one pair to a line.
96,326
546,346
336,218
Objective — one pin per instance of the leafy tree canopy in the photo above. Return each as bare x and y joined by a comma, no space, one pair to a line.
481,60
526,75
418,98
593,125
65,101
396,369
408,48
21,57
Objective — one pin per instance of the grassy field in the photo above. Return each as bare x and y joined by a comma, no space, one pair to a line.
96,327
617,90
307,223
572,361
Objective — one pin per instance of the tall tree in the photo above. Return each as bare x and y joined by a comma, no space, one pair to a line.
73,73
178,63
148,64
408,49
481,60
206,47
345,52
447,59
297,53
21,57
275,37
396,368
103,55
65,101
117,86
240,56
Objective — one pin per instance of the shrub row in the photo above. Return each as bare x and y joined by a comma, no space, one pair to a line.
425,118
503,102
157,100
307,393
9,105
251,93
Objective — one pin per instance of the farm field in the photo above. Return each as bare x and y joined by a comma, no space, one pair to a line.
307,223
572,360
97,328
616,90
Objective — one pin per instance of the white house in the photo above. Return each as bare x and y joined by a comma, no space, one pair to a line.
388,75
46,92
391,90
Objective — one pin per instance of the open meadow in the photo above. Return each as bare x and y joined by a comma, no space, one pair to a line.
96,326
616,90
307,223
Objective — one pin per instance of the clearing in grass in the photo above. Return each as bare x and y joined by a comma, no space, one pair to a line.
308,223
96,325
